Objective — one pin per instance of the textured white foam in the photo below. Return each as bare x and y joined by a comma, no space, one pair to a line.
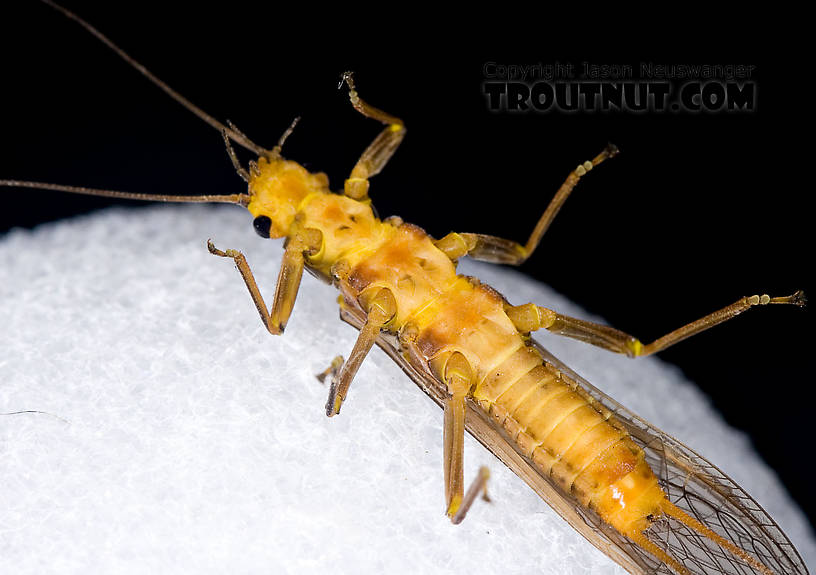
186,439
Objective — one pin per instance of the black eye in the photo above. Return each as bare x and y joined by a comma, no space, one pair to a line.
262,224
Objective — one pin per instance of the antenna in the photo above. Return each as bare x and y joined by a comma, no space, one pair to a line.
240,199
235,136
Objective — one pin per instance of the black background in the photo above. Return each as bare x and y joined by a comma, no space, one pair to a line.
698,210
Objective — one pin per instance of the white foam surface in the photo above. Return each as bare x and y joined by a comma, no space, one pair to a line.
183,438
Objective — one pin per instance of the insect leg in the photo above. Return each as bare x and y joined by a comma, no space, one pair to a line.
379,151
502,251
302,243
381,310
530,317
458,376
331,371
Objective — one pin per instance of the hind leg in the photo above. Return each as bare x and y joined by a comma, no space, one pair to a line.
530,317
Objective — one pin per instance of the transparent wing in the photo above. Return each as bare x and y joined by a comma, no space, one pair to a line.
692,483
698,487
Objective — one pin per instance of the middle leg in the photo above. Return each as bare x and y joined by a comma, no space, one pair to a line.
502,251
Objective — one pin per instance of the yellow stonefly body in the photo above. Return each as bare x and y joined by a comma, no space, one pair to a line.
475,345
566,433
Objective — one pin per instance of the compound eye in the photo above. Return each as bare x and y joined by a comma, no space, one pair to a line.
262,225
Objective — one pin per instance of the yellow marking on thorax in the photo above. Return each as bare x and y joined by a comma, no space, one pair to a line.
408,264
349,228
470,319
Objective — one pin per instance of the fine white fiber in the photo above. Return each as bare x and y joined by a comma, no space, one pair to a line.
175,435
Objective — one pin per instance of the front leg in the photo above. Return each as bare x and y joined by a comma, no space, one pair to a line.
302,243
379,151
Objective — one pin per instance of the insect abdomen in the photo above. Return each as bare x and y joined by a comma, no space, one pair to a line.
578,445
553,424
559,428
